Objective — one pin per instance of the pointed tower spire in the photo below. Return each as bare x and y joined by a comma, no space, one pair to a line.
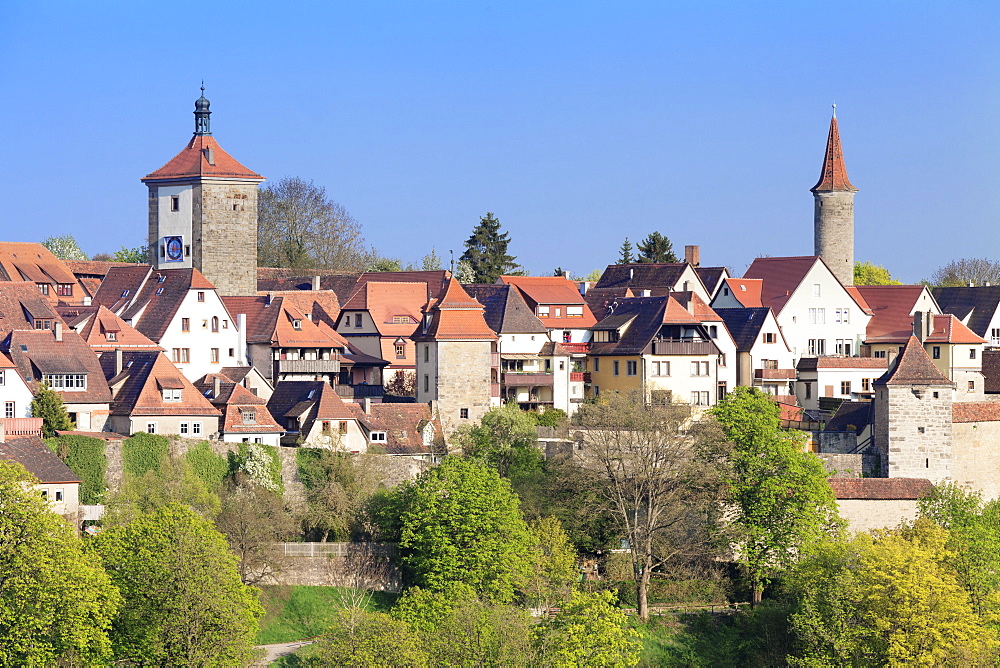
833,176
833,210
202,126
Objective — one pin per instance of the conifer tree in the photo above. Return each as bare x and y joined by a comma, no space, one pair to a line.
625,252
48,405
655,249
486,251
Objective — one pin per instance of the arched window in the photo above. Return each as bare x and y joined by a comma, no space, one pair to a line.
215,323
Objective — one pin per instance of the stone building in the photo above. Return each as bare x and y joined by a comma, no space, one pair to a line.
203,212
833,210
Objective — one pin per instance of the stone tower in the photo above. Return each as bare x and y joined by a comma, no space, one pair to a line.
913,401
454,358
203,212
833,210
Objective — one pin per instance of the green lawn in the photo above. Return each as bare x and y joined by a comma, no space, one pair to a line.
297,612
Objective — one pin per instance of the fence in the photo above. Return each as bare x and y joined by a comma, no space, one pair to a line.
337,549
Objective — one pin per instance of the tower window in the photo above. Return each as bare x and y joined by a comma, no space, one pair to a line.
175,203
463,413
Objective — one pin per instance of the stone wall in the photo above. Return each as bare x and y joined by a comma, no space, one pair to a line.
850,466
225,236
976,457
358,565
913,430
868,514
833,227
463,381
839,442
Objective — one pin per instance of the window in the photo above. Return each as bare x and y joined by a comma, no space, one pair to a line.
879,354
175,203
972,353
661,368
8,409
232,352
558,312
809,390
171,395
195,428
357,319
995,336
615,367
699,398
161,278
722,390
713,331
175,355
817,346
972,386
543,311
699,368
59,495
378,437
574,311
631,368
400,352
342,427
427,353
936,352
402,320
847,315
816,290
844,347
215,323
67,382
43,288
215,355
722,359
201,296
297,325
150,427
124,294
64,289
463,413
845,387
185,355
185,324
597,364
866,384
225,324
769,364
249,416
770,337
159,291
427,383
184,427
111,336
3,376
817,316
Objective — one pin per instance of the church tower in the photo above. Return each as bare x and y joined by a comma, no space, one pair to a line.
203,212
833,210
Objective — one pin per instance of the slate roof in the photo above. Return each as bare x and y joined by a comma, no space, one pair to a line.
138,387
642,276
891,307
743,324
36,352
600,299
644,317
506,312
852,416
833,173
32,453
711,277
975,411
273,279
192,162
973,306
402,424
914,367
991,371
881,489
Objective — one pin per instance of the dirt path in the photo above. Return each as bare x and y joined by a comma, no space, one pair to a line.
280,649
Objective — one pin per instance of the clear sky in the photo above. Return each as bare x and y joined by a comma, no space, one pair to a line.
578,124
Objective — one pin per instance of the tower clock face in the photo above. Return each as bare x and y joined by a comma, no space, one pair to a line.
175,248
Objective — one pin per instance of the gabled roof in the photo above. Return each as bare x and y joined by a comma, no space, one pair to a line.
712,277
36,352
852,416
32,453
33,262
833,174
19,299
696,306
881,489
644,317
782,275
974,306
859,298
599,299
643,276
193,162
892,309
388,301
914,367
746,291
744,324
949,329
95,329
233,400
506,312
549,290
455,316
138,386
403,425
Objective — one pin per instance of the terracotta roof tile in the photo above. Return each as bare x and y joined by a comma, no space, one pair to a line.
36,353
975,411
949,329
833,174
456,316
746,291
891,307
138,387
914,367
403,425
881,489
193,161
33,262
553,291
811,363
103,330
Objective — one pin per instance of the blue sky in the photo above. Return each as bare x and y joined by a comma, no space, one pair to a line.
578,124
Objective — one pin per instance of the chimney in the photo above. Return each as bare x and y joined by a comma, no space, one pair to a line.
241,341
692,255
270,298
646,293
368,406
216,387
210,156
118,361
631,274
923,324
315,283
57,329
566,275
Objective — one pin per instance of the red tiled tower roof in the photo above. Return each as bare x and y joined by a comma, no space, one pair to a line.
194,161
914,367
833,176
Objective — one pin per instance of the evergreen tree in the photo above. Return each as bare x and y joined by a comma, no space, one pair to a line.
625,253
655,249
48,405
486,251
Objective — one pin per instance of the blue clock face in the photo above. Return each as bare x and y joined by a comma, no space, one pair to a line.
175,248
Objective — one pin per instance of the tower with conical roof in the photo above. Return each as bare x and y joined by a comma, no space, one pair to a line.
203,212
833,210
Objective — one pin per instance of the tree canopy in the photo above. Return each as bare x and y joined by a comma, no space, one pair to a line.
184,601
65,247
654,249
959,273
139,254
55,603
48,405
299,227
625,253
486,251
867,273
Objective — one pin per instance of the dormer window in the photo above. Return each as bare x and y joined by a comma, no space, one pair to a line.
171,394
124,294
66,382
377,437
161,278
297,324
43,288
401,320
159,291
111,336
249,416
64,289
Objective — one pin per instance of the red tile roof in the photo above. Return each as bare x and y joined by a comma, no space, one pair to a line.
809,363
914,367
18,298
891,307
553,291
975,411
746,291
192,161
859,298
36,353
949,329
386,302
33,262
780,276
833,174
138,388
881,489
403,425
696,306
456,316
96,327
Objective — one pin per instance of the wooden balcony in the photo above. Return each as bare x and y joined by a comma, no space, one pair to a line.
684,347
774,374
577,348
359,391
20,427
308,366
526,379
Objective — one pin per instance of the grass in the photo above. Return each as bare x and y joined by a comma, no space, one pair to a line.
297,612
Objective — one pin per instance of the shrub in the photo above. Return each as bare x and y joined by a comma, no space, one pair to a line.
260,463
144,452
210,467
85,457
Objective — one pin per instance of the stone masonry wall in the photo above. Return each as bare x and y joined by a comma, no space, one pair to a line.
833,228
919,433
867,514
225,236
463,381
976,457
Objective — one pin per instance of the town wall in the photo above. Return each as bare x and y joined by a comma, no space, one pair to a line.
976,457
868,514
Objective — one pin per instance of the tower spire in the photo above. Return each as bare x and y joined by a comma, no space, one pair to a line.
202,124
833,176
833,210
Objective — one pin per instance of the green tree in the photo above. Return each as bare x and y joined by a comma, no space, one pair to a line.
184,602
65,247
959,273
655,249
385,264
486,251
174,482
299,227
253,520
625,255
504,439
592,277
590,631
554,569
867,273
460,522
338,489
137,255
431,261
464,273
360,638
48,405
56,605
780,499
887,598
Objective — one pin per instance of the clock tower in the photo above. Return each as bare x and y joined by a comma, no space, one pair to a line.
203,212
